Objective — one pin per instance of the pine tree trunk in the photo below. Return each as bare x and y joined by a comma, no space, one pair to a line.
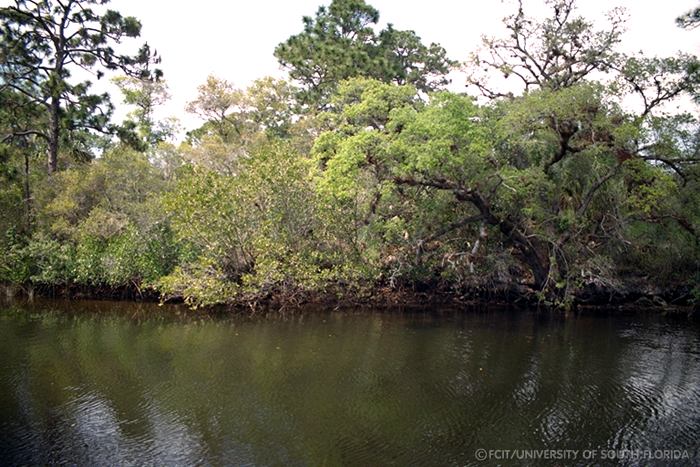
27,192
54,134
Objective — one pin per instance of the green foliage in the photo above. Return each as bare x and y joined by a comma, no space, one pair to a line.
546,171
121,183
43,42
100,225
14,264
145,94
198,283
564,187
445,138
237,121
126,257
249,233
51,261
341,43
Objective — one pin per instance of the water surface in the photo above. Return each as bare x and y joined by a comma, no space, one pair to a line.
105,383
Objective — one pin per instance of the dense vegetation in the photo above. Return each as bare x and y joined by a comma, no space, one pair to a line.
360,178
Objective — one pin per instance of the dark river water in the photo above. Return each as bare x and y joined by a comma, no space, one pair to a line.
100,383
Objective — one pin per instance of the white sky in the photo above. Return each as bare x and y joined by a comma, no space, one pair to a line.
235,39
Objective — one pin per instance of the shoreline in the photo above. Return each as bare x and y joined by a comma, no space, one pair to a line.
671,302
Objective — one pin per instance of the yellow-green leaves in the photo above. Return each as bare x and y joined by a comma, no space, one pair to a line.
447,138
650,188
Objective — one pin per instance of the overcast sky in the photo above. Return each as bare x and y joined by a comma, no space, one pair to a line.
235,39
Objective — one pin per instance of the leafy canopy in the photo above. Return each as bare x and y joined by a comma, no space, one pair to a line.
341,43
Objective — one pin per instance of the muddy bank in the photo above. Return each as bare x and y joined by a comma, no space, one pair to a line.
632,296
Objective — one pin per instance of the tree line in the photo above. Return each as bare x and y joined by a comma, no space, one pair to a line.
361,176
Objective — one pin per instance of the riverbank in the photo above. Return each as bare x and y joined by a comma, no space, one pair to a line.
634,296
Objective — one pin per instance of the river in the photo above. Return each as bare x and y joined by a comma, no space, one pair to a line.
107,383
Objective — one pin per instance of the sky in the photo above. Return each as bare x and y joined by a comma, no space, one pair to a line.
235,39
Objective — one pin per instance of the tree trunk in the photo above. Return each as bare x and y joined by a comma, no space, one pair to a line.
534,253
27,192
54,134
